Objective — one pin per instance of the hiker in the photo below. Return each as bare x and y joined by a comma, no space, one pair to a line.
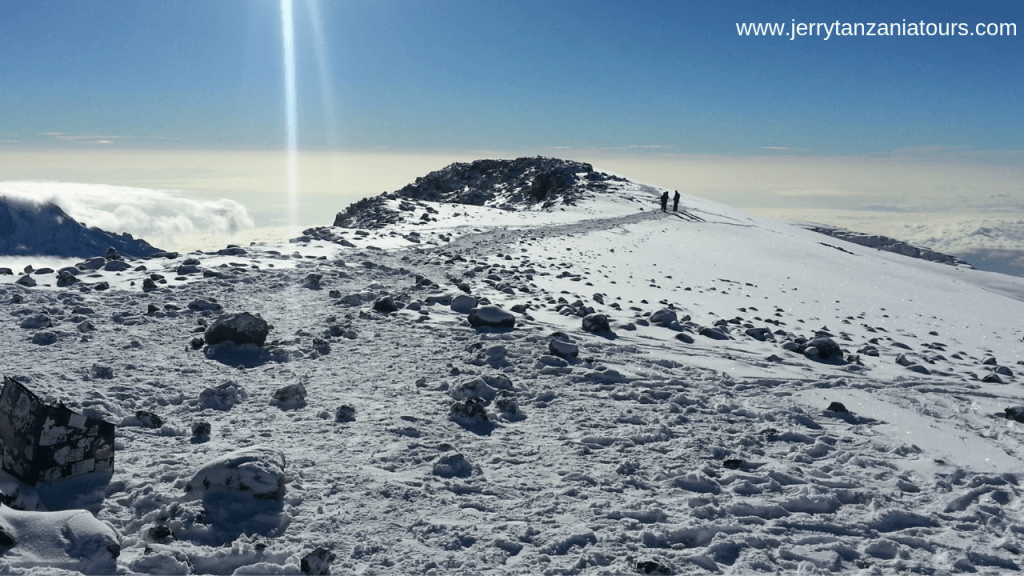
675,202
664,201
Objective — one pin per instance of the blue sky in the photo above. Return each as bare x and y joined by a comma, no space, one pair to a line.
441,75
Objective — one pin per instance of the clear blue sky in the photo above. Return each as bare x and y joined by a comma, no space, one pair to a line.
426,75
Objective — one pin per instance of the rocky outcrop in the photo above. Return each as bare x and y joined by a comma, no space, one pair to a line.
523,183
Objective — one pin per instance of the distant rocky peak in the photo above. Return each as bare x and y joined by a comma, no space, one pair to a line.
532,183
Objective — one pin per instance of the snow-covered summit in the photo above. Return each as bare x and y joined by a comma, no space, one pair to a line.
28,228
521,184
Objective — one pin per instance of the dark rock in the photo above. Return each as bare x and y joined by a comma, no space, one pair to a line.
66,278
148,419
204,304
44,338
312,280
826,348
112,254
148,285
664,317
1015,413
713,333
491,316
102,372
100,286
469,411
652,566
596,323
837,407
385,304
992,378
684,338
317,562
201,431
732,463
256,471
463,304
345,414
244,328
196,343
290,397
26,281
562,348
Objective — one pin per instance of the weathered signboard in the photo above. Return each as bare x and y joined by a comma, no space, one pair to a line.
42,443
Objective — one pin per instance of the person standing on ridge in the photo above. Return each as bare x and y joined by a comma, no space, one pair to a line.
675,201
664,201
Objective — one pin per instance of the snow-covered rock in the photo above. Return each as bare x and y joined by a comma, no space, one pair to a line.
257,472
72,540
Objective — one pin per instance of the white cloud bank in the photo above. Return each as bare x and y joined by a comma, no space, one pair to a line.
167,219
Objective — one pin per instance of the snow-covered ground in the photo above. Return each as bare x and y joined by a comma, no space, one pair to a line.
693,436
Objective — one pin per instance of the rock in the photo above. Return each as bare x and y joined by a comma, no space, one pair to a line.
112,254
86,326
684,338
66,278
761,334
826,348
385,304
992,378
345,414
148,285
902,360
93,263
475,388
469,412
243,328
1015,413
223,397
44,338
290,397
463,304
714,333
231,250
6,272
66,541
491,316
563,348
102,372
596,323
1003,371
837,407
186,269
507,407
197,342
353,299
312,280
201,431
35,322
317,562
257,472
26,281
116,266
652,566
101,286
204,304
732,463
990,361
452,465
664,317
147,419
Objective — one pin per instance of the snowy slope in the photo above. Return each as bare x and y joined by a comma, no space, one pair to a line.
703,444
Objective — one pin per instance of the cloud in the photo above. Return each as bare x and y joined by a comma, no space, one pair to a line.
164,218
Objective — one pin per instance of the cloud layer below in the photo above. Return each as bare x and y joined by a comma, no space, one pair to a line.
164,218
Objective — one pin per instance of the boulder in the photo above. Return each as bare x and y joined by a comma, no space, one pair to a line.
44,338
826,348
596,323
222,397
664,317
244,328
257,472
290,397
385,304
491,316
463,303
563,348
116,266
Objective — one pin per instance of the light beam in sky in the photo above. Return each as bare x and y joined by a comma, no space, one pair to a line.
291,112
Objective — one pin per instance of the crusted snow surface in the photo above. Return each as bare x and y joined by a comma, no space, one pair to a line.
656,448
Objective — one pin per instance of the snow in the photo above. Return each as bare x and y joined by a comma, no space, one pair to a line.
422,444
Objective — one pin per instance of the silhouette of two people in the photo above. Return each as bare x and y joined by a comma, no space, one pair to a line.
675,202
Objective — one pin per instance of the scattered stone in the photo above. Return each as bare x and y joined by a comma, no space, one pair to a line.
26,281
100,286
148,285
664,317
86,326
147,419
290,397
197,343
244,328
596,323
6,272
561,347
116,266
1015,413
257,471
112,254
824,348
317,562
312,280
201,431
684,338
652,566
463,304
44,338
36,321
103,372
452,465
491,316
732,463
385,304
345,414
713,333
475,388
469,412
992,378
204,304
222,397
93,263
66,278
837,407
